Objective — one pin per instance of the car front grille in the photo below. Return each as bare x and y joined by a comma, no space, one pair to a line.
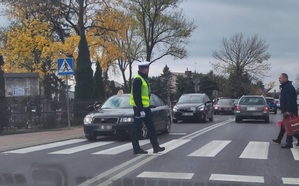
105,120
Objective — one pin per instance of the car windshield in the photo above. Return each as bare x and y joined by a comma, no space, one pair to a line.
270,100
117,101
252,101
191,99
225,102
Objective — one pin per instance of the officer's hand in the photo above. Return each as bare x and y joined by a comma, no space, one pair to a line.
142,114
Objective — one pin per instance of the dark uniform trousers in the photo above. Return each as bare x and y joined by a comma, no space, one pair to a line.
136,128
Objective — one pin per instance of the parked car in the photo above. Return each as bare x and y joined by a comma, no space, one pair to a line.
193,106
115,117
252,107
224,105
272,104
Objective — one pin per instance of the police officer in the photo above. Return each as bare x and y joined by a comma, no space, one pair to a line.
140,100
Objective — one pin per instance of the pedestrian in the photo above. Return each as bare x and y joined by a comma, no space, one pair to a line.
288,106
140,100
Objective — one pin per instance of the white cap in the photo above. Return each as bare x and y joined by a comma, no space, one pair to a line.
144,64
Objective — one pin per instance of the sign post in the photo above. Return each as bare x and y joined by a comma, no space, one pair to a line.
66,67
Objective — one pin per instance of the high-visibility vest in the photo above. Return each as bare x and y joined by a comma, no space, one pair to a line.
145,91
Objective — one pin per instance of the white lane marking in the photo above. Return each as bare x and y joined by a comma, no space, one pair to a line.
290,181
295,152
177,134
169,146
207,129
45,146
121,148
166,175
256,150
211,149
113,170
81,148
237,178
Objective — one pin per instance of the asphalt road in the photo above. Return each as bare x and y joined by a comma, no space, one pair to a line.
221,152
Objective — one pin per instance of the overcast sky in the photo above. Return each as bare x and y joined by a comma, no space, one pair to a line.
275,21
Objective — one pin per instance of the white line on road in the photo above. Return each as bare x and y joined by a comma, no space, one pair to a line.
237,178
256,150
211,149
295,152
166,175
290,181
45,146
81,148
121,148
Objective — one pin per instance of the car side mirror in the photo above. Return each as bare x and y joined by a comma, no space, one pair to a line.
152,106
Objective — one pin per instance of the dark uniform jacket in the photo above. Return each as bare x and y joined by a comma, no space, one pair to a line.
288,98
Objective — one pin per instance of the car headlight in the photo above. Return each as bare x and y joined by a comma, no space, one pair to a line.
126,120
175,108
201,108
87,120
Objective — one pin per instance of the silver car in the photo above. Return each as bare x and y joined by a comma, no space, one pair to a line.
252,107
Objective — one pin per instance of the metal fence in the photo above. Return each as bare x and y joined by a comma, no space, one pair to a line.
38,114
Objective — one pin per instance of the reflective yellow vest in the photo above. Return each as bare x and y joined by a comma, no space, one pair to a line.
145,91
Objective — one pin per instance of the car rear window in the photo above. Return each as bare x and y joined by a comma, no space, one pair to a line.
252,101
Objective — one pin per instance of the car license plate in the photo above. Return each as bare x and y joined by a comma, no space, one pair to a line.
188,114
251,108
105,127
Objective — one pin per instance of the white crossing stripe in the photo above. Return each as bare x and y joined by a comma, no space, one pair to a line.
169,146
295,152
81,148
237,178
121,148
256,150
166,175
211,149
45,146
290,181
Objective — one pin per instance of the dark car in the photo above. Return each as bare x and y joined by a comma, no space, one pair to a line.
272,104
115,117
252,107
224,106
193,106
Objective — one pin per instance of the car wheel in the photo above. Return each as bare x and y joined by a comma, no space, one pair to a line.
275,111
267,120
144,132
174,120
211,118
237,120
91,137
204,120
167,126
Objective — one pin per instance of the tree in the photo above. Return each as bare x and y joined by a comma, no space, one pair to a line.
243,61
162,26
99,90
184,85
239,56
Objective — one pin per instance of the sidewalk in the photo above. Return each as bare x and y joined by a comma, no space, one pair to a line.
14,141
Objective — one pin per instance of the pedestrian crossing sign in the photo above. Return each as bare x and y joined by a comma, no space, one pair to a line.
65,66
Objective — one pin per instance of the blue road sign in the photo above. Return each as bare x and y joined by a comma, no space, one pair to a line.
65,66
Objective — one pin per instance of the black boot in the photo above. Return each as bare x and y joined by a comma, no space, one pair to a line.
140,151
158,149
276,141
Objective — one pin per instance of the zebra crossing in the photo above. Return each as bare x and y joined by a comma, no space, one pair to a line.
253,150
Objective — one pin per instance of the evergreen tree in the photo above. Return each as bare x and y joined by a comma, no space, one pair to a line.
84,73
98,86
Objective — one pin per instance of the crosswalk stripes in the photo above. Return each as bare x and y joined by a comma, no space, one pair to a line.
253,150
211,149
256,150
81,148
45,146
120,149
